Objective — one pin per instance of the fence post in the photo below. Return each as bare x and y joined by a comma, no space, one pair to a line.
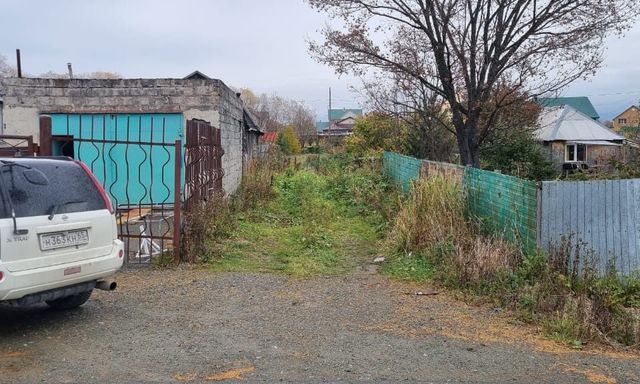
177,227
45,136
539,186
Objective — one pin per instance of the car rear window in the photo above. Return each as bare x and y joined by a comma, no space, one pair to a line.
69,189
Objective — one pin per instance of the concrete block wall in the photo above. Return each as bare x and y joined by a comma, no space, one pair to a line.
25,99
232,131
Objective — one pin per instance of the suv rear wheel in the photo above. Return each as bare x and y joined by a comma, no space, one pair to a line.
70,302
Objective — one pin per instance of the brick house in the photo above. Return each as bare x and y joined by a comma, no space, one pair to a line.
629,120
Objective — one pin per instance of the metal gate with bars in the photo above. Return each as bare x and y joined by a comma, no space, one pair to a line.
139,160
203,160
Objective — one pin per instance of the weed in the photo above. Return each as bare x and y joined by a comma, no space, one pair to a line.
432,239
164,261
433,212
309,223
212,220
257,181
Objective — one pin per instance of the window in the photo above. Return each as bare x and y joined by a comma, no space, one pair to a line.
68,187
622,121
575,152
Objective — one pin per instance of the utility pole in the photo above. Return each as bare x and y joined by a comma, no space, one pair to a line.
329,111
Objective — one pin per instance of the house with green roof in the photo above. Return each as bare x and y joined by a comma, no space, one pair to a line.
580,103
339,114
341,122
321,125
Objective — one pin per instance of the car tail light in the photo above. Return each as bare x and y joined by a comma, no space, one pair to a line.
1,276
103,193
120,254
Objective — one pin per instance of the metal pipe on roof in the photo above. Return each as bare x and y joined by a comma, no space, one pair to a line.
18,63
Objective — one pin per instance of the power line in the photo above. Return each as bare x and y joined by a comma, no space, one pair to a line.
616,94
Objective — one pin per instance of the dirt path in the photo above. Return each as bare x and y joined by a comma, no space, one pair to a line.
192,326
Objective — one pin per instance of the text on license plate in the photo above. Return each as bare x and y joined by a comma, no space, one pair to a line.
63,239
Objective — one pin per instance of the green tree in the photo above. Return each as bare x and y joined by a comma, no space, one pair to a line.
516,153
512,147
378,132
288,141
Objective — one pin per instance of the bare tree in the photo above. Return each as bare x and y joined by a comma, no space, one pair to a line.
103,75
6,69
431,134
461,50
276,112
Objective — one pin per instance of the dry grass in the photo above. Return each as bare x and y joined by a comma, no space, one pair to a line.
433,238
208,222
257,180
433,213
432,224
485,258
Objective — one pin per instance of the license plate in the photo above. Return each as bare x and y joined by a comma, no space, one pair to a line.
63,239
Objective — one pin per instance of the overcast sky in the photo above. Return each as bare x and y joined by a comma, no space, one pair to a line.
260,44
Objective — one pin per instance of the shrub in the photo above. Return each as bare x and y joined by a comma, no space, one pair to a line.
514,151
377,132
288,141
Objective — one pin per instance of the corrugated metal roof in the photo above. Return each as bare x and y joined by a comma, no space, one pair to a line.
582,104
250,121
269,137
595,142
337,114
567,124
322,125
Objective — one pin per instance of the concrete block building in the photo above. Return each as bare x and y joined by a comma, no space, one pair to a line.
145,106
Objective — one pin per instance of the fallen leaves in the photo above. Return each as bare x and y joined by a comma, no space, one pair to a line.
593,375
232,374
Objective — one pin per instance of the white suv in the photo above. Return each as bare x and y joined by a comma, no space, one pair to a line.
58,235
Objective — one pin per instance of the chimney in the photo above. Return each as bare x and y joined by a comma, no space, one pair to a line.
70,70
18,63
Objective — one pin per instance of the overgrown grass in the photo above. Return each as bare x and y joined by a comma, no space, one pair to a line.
433,237
319,217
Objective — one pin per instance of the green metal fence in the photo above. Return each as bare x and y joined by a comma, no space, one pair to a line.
402,169
504,204
603,216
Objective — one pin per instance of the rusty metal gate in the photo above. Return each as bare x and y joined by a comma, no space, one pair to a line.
140,166
203,163
17,146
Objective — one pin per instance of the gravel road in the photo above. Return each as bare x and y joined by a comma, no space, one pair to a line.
190,325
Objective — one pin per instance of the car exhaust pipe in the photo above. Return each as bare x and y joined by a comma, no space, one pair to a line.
106,285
